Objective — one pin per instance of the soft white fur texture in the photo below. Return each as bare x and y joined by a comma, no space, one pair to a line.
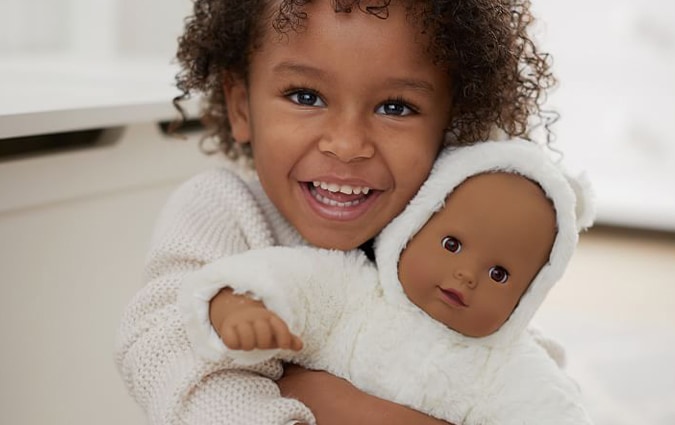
356,323
571,197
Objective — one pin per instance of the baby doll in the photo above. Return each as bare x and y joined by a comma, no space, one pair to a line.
476,250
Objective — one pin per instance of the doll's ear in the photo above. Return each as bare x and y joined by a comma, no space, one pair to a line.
585,199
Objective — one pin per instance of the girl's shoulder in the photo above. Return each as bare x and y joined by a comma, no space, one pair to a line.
218,182
211,199
226,193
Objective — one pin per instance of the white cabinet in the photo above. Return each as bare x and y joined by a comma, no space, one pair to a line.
74,230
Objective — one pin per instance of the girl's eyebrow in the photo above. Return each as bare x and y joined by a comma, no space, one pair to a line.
290,67
410,83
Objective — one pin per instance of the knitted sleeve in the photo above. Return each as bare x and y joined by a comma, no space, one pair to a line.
211,216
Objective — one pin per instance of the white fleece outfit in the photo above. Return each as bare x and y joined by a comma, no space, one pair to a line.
356,322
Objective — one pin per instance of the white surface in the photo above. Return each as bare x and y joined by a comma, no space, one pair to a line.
141,157
616,60
55,94
615,313
74,230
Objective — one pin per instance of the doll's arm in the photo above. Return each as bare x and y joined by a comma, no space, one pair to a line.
293,283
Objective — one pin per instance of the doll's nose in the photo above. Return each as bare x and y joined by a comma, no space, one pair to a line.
466,277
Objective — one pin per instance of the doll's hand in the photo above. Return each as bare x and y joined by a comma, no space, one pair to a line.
246,324
334,401
256,327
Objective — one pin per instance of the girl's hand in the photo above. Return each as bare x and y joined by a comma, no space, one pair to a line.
334,401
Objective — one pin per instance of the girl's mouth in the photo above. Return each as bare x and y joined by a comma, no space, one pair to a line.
339,201
336,195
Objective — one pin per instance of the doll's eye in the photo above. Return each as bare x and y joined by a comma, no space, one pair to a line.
452,244
499,274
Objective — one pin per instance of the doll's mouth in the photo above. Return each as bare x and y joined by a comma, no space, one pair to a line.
453,297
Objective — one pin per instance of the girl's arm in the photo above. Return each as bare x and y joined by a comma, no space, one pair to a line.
153,354
335,401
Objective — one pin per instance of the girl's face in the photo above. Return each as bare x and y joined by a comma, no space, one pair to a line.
345,118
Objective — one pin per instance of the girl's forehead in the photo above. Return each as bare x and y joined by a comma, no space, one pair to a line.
310,19
325,39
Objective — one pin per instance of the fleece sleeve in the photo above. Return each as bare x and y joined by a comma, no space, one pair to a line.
307,287
209,217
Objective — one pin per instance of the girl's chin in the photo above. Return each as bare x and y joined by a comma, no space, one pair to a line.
331,238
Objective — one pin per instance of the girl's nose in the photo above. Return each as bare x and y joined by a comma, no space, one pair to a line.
347,140
466,276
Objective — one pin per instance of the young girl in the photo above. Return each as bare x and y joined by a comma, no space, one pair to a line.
343,106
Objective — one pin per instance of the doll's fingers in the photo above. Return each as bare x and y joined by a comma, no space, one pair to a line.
282,335
263,334
296,343
246,336
230,338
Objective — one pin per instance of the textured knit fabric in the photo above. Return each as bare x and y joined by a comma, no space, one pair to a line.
213,215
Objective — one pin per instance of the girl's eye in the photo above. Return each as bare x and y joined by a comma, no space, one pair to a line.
499,274
452,244
396,108
306,98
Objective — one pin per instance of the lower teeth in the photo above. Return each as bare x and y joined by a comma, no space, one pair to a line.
332,202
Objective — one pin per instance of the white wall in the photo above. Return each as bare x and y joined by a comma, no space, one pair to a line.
616,61
92,28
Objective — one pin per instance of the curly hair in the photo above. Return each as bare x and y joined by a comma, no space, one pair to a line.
500,78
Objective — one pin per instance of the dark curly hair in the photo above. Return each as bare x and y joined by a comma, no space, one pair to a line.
499,76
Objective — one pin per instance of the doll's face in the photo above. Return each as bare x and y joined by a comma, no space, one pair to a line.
473,260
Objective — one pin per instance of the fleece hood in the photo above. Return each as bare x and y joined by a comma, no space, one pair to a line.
570,195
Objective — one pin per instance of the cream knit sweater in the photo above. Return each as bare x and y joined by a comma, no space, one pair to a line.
213,215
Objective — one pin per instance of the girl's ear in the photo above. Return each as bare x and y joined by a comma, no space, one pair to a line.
236,97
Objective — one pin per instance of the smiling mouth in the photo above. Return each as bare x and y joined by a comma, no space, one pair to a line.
453,297
340,196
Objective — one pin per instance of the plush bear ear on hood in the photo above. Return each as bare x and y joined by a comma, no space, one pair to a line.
585,199
570,195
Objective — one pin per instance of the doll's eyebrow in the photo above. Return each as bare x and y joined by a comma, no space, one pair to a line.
290,67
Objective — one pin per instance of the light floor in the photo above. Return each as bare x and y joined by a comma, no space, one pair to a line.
615,313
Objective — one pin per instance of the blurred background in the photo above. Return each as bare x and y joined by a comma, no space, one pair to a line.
85,166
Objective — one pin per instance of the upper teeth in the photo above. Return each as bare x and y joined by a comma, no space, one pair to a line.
343,188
